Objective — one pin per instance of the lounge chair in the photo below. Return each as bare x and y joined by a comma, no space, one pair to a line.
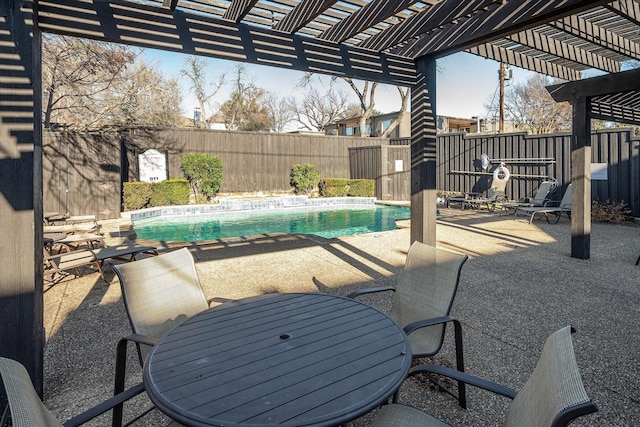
555,208
75,259
423,299
553,395
158,293
538,199
83,227
61,262
27,410
495,194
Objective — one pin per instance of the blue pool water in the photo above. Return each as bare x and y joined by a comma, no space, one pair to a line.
327,223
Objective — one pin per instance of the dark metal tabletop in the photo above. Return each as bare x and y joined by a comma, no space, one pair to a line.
278,359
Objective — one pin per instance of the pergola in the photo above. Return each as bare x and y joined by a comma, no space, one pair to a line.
389,41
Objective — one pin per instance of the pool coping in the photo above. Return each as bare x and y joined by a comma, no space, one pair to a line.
236,205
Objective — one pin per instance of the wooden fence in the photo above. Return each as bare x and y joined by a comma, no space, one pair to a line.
531,159
83,173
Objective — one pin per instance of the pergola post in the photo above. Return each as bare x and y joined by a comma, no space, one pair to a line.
581,179
423,152
21,289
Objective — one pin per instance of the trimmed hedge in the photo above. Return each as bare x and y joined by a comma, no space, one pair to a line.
339,187
170,192
362,188
136,195
140,195
334,187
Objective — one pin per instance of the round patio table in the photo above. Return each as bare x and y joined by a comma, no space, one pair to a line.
278,359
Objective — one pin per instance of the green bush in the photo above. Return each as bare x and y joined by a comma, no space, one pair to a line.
334,187
609,211
304,178
204,173
170,192
136,195
362,188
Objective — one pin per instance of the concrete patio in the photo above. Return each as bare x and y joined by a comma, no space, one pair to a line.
519,285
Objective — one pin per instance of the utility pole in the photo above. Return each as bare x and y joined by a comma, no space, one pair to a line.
501,123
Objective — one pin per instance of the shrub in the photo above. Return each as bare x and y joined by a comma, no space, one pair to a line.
170,192
362,188
136,195
204,173
304,178
609,211
334,187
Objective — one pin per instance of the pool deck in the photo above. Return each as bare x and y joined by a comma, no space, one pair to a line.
519,285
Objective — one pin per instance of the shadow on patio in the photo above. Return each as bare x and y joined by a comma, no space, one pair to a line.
519,285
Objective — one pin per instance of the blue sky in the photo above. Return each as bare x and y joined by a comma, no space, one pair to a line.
465,82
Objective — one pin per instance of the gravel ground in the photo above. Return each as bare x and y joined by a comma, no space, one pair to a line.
519,285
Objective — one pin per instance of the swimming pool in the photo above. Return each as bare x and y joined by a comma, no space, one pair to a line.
327,222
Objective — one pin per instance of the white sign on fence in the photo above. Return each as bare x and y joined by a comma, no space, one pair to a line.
599,172
152,166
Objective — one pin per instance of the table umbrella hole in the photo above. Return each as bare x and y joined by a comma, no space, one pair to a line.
285,336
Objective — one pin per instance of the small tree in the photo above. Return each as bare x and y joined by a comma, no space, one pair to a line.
304,178
204,173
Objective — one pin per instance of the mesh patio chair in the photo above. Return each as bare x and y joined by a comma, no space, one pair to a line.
538,199
25,409
495,194
553,395
158,293
423,299
555,208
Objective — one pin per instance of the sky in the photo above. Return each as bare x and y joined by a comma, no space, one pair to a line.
465,82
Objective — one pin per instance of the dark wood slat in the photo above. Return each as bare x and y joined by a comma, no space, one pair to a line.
597,35
509,18
207,36
517,59
368,16
440,14
238,9
629,9
561,49
302,14
625,81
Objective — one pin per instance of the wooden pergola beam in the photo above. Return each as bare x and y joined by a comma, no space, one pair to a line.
508,56
509,18
552,46
143,25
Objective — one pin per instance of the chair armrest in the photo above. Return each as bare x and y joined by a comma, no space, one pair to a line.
371,291
552,203
427,322
140,339
465,378
104,406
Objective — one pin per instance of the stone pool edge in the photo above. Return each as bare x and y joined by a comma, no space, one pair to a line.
233,205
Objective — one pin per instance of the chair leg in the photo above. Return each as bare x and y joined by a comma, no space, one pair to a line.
462,388
121,362
638,261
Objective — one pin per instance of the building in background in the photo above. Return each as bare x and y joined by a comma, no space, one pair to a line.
445,124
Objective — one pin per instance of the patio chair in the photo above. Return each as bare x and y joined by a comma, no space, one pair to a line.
25,409
158,293
494,194
538,199
564,206
61,262
552,396
422,301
